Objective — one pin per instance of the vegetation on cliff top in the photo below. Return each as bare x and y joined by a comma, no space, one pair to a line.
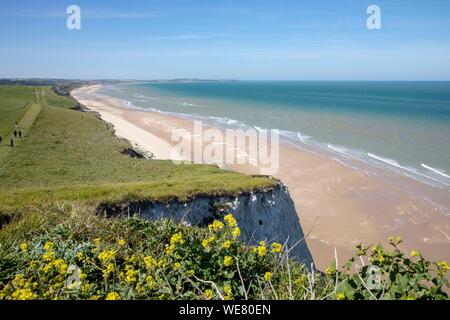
70,253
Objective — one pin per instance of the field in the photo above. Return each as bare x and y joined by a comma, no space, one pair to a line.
72,155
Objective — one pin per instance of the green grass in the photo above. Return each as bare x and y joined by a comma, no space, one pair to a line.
72,155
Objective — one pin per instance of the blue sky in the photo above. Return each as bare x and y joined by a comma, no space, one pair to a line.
238,39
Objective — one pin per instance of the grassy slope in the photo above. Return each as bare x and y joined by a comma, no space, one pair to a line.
74,155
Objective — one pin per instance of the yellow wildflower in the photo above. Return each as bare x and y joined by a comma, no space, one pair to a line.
150,282
48,246
131,275
23,294
23,247
443,266
97,241
170,249
61,266
380,258
80,255
340,296
227,244
216,225
190,273
109,269
262,249
230,220
208,294
177,238
176,265
121,242
112,296
276,247
228,290
236,232
149,262
85,288
329,271
415,253
207,242
398,239
48,256
47,268
106,256
268,276
227,261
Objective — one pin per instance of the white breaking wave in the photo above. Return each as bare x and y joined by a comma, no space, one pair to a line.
439,172
187,104
388,161
410,170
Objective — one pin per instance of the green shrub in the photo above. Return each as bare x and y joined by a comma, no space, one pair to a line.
75,254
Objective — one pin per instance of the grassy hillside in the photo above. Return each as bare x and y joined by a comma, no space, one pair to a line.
72,155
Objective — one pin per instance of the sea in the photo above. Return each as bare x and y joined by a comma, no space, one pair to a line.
399,127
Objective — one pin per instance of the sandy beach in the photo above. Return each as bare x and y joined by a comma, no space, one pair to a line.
338,207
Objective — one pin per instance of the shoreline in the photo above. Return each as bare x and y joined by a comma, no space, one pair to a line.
340,206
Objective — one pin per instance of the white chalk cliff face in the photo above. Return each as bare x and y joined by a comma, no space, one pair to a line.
263,215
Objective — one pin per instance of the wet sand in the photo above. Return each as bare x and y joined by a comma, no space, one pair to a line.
338,206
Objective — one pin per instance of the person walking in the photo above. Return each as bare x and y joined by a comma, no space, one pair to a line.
20,133
11,143
1,139
15,133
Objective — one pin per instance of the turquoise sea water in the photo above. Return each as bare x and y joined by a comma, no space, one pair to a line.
400,126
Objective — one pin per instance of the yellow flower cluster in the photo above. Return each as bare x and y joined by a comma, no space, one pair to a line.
150,263
121,242
106,256
230,220
130,274
150,282
228,292
268,276
23,247
329,271
207,242
108,270
443,266
176,266
112,296
276,247
216,225
208,294
227,244
48,246
175,240
262,249
227,261
415,253
236,232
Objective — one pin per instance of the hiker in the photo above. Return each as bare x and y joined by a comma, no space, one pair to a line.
11,143
15,133
20,134
1,139
15,124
